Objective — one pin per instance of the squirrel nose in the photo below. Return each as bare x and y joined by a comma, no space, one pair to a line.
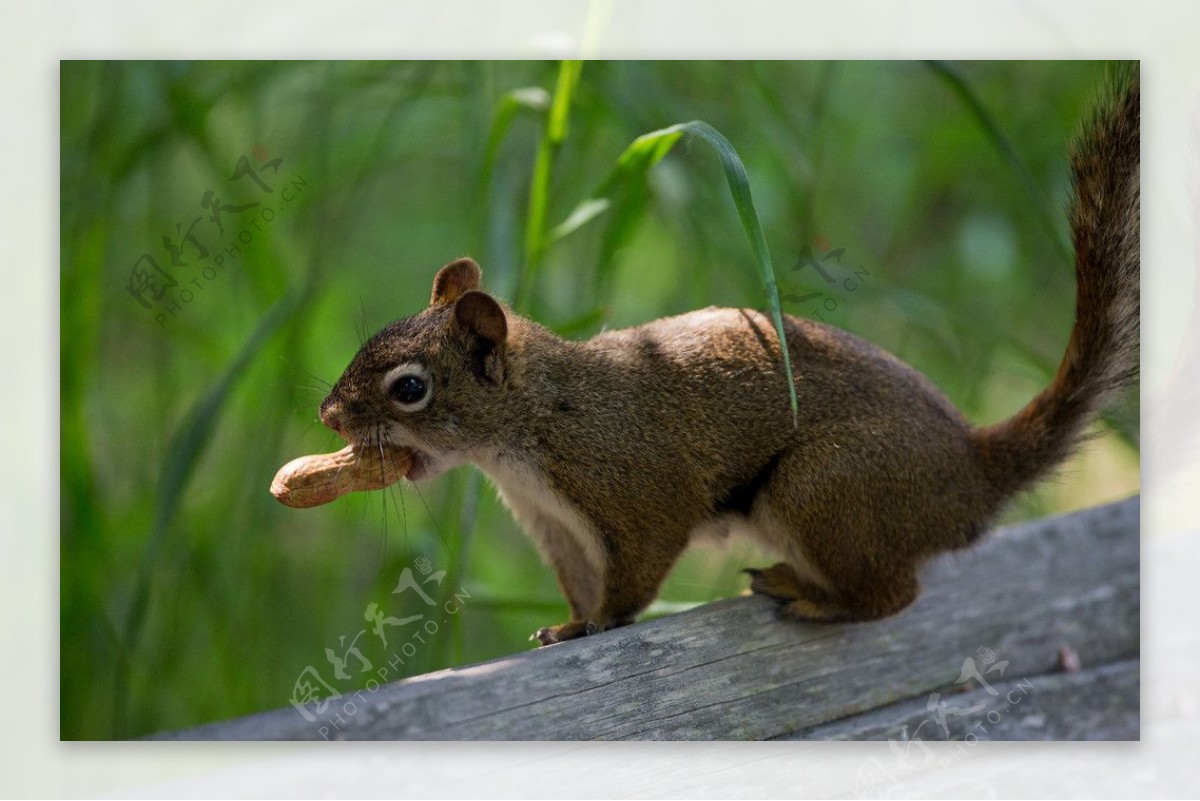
331,414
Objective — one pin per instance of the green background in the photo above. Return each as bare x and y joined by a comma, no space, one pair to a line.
189,595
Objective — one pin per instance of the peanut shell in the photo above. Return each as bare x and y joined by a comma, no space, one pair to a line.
322,478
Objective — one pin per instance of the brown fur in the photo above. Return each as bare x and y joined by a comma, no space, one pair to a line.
615,451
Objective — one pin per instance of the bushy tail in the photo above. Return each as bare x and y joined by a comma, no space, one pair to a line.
1102,355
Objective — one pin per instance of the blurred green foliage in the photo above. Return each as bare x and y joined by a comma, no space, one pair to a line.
189,595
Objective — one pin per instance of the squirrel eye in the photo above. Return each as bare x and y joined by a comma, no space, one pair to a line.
409,386
408,389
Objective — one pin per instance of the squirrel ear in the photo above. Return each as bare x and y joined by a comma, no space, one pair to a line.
480,314
456,278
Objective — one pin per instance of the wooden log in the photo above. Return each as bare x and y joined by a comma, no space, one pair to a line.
732,670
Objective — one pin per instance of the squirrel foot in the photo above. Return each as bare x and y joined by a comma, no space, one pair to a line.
571,630
778,582
798,599
810,611
574,629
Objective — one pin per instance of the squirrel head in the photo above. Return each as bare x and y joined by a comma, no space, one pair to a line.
434,382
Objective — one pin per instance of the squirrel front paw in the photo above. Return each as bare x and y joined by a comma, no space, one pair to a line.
548,635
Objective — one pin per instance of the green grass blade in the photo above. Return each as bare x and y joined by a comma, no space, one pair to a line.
649,149
531,99
187,446
739,187
957,81
539,190
564,91
584,213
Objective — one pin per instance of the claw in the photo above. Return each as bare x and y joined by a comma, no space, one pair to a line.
549,635
778,582
543,636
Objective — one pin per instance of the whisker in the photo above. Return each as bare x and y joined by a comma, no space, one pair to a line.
398,494
383,496
381,544
313,376
433,520
366,328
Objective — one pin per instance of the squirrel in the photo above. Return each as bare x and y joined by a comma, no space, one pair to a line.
614,452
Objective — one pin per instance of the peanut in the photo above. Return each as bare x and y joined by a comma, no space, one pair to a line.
322,478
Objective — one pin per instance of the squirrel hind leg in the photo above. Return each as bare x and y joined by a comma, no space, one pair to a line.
804,600
881,597
801,599
779,582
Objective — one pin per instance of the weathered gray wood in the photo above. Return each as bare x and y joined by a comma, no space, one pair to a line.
731,670
1097,704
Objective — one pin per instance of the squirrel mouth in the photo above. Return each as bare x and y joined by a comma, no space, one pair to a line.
423,465
420,466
